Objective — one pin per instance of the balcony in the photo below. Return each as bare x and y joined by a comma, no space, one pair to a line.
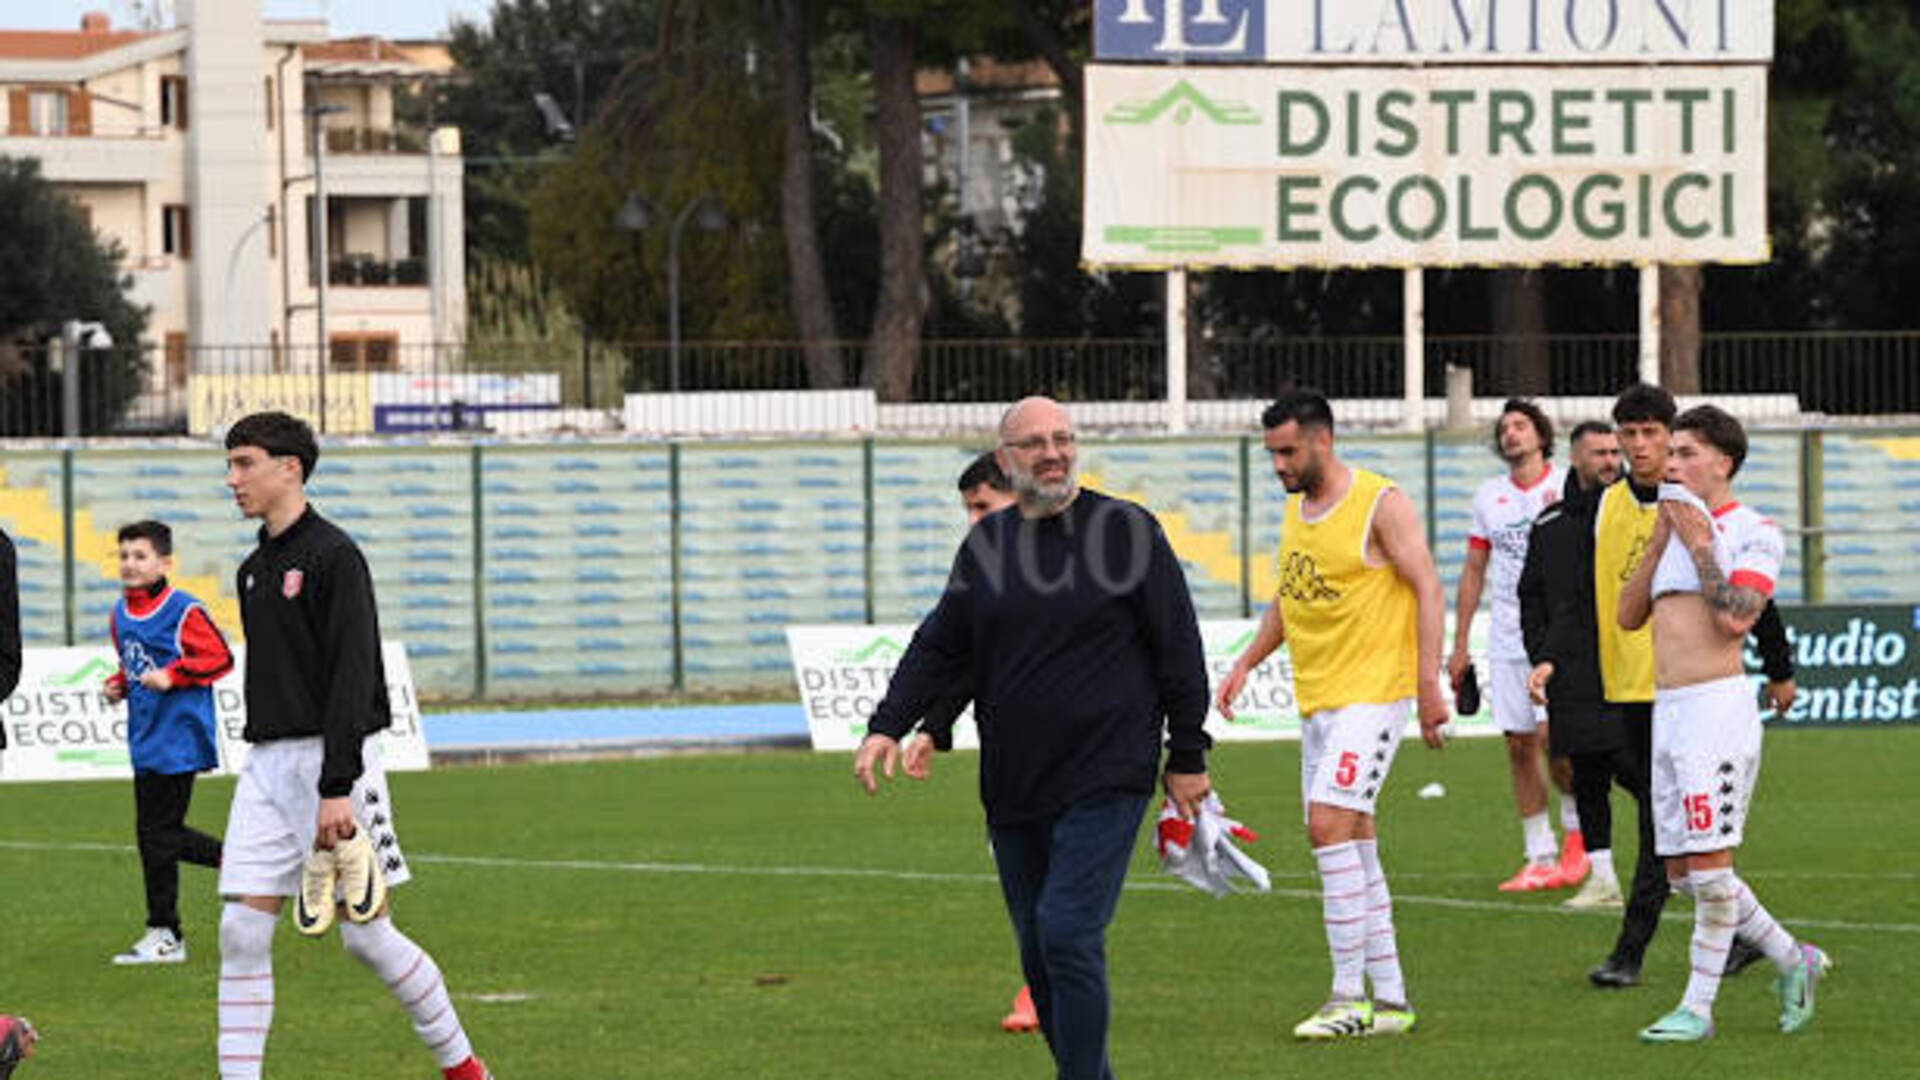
362,140
99,159
358,271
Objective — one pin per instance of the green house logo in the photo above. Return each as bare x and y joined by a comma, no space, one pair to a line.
93,671
881,650
1183,101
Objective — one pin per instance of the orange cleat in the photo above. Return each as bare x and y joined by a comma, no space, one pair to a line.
1573,860
1023,1017
1534,877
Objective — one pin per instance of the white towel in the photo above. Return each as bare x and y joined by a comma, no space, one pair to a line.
1203,854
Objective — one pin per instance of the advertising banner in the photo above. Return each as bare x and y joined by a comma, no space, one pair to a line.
215,401
1855,666
843,673
407,402
60,726
1438,166
1434,31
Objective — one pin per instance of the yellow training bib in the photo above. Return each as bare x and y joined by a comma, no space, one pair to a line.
1621,533
1351,626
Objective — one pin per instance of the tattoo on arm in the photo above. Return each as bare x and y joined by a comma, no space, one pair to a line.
1720,595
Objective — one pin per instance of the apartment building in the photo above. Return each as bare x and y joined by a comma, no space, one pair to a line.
194,147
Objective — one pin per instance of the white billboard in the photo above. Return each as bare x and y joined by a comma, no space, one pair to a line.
61,727
1434,31
843,672
1445,166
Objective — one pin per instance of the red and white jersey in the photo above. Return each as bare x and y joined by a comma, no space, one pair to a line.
1747,545
1503,514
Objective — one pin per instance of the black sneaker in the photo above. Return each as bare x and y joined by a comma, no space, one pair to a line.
1615,974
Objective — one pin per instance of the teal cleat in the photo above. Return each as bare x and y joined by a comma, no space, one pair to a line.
1680,1025
1796,988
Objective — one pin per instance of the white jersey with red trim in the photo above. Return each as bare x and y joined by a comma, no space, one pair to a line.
1747,545
1503,514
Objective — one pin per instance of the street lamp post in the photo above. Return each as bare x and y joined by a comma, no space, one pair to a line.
706,214
316,113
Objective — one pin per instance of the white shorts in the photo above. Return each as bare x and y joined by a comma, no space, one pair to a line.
1514,712
1346,753
276,811
1706,761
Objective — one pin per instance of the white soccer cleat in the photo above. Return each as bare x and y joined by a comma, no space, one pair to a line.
1337,1020
1596,894
158,946
363,886
313,907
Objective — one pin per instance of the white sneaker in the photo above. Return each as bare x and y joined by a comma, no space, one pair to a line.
363,887
1337,1020
158,946
1596,893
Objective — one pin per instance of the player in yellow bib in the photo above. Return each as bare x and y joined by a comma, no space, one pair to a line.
1360,610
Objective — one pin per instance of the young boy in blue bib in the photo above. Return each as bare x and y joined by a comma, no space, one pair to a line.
170,654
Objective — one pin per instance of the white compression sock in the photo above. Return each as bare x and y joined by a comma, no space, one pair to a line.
1383,946
416,983
1569,814
1715,915
1602,861
1758,929
1538,831
246,990
1343,898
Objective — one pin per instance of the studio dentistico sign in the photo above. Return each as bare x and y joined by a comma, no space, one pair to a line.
1855,666
1427,133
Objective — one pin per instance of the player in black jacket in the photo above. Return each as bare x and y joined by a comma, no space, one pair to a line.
311,814
1559,622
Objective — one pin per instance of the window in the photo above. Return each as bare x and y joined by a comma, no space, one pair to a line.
47,112
269,85
273,231
365,352
176,230
173,101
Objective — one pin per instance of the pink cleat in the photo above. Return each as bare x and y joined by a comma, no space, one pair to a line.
1534,877
1573,860
1023,1017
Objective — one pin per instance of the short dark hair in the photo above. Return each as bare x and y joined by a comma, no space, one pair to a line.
985,469
153,532
278,434
1589,427
1535,416
1644,401
1717,427
1307,407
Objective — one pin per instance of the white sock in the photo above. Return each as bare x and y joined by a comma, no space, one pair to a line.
1681,885
416,983
246,990
1569,814
1602,861
1343,898
1383,946
1758,929
1715,914
1538,831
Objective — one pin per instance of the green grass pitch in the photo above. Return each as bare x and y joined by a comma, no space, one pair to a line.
756,916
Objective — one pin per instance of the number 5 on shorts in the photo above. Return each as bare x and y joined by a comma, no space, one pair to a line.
1345,773
1699,812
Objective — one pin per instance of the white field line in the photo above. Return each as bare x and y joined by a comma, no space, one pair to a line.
1135,885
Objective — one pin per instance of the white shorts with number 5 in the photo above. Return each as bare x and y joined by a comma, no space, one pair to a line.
1706,760
1346,753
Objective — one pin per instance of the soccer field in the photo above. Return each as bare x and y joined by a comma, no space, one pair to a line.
756,916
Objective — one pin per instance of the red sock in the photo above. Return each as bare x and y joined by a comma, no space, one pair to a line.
470,1069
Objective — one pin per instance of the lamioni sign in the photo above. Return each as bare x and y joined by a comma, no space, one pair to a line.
1435,166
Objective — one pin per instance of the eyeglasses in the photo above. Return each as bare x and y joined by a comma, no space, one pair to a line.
1033,444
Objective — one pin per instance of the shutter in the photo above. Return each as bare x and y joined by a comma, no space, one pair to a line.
17,120
186,232
79,112
181,120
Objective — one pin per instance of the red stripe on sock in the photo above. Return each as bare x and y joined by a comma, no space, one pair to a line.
430,991
418,959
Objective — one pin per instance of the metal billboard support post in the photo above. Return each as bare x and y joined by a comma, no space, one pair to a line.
1176,351
1413,375
1650,324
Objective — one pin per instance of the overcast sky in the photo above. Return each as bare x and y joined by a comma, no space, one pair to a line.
345,18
